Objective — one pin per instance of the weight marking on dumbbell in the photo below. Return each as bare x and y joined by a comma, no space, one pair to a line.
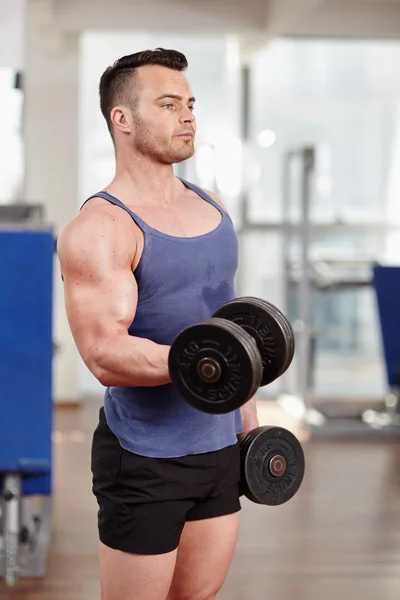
285,482
268,344
270,330
235,377
228,390
231,355
270,445
188,354
267,447
280,486
261,328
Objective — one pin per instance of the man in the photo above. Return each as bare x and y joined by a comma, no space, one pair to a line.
141,261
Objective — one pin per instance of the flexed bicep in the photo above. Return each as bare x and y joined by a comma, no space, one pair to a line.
100,289
97,252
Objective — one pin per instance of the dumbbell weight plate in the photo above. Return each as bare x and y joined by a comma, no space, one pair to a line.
215,365
286,327
272,465
270,329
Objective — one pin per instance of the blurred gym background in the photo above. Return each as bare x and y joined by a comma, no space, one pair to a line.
298,116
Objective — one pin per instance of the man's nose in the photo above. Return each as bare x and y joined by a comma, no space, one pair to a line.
187,116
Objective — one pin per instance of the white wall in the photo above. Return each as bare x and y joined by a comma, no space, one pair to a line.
341,96
11,149
50,126
12,33
12,59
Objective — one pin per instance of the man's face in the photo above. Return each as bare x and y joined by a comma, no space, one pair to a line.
163,123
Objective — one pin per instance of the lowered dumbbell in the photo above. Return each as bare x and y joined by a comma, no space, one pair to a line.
219,363
272,465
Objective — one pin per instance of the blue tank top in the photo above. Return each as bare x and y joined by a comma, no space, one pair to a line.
180,281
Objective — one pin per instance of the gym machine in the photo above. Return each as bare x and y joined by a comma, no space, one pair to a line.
27,250
301,279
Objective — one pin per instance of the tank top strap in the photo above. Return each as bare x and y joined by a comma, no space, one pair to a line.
202,194
114,200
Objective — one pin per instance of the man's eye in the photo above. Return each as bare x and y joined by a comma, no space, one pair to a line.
168,106
191,107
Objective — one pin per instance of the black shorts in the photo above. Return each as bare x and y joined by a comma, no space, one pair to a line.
145,502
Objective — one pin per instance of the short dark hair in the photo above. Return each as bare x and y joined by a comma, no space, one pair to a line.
116,81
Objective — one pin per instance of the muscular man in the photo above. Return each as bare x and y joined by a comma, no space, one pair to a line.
142,260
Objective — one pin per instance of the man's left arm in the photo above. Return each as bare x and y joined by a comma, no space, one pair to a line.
249,415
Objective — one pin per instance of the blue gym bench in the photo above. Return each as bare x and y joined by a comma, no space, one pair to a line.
26,352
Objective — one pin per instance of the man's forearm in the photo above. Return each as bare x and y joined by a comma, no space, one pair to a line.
249,415
130,361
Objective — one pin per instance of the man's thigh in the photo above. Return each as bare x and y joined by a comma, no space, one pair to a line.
127,576
196,571
209,537
204,556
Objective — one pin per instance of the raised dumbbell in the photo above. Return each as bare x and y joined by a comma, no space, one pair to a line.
269,328
219,363
272,465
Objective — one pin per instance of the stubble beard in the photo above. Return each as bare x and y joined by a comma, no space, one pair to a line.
159,149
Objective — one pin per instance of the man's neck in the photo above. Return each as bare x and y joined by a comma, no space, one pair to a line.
143,177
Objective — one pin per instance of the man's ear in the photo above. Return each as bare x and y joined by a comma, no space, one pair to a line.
121,119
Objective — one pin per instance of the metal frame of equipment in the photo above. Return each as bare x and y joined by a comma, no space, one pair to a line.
372,423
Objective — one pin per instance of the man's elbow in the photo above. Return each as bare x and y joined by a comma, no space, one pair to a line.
104,377
95,364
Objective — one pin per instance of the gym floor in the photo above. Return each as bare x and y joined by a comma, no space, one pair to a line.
339,537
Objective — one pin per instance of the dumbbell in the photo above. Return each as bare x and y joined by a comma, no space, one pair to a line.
272,465
219,363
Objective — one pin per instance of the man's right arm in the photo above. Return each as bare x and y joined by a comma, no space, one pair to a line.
96,252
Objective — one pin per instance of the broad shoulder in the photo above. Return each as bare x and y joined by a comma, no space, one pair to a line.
99,231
